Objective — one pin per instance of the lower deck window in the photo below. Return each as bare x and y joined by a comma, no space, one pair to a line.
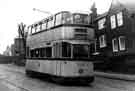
32,53
48,52
80,51
66,50
62,50
41,52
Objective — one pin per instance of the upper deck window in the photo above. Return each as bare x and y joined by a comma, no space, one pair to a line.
67,18
86,19
80,19
50,22
58,19
38,28
77,19
29,30
33,30
101,23
120,19
102,41
113,21
44,26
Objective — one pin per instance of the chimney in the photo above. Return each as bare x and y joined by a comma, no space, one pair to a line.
94,13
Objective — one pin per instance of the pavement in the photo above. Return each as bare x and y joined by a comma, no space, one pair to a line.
128,77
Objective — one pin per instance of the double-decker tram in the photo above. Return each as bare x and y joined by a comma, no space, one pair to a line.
59,47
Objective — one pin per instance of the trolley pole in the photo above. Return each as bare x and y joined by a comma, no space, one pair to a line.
45,12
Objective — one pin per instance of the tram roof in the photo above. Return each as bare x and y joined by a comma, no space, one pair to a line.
45,19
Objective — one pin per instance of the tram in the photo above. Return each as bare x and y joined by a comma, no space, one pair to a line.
59,47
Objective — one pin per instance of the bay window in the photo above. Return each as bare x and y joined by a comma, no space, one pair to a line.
122,42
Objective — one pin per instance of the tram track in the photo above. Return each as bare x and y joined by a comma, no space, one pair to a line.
10,68
18,80
14,86
10,84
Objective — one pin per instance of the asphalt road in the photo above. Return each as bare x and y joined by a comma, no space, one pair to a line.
13,78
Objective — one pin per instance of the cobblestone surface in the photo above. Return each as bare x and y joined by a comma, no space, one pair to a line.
15,77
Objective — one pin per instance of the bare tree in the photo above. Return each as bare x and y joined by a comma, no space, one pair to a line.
22,34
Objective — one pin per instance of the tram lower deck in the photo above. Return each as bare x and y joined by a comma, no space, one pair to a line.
64,60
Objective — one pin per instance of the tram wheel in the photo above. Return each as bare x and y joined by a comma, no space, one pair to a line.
28,73
87,82
58,80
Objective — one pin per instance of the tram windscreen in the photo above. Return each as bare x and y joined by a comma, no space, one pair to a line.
81,19
80,51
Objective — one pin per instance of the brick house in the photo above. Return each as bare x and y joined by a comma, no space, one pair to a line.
115,34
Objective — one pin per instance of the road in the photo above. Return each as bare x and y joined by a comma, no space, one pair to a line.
13,78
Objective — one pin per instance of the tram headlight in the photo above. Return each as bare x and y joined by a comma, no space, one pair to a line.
80,71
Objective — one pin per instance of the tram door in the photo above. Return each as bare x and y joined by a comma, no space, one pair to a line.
58,68
57,52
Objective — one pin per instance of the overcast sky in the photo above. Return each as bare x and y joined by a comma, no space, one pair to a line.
12,12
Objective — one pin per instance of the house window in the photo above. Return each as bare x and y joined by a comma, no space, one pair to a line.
102,41
113,22
122,43
115,45
120,19
101,23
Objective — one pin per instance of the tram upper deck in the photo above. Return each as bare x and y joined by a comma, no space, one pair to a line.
63,25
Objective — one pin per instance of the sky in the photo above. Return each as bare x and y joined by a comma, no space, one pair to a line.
13,12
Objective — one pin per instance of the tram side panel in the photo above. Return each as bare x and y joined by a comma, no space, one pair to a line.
61,68
42,66
32,65
76,69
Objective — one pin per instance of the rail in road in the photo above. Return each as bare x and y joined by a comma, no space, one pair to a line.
14,77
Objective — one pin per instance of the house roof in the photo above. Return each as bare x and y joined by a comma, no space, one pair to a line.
128,4
101,15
